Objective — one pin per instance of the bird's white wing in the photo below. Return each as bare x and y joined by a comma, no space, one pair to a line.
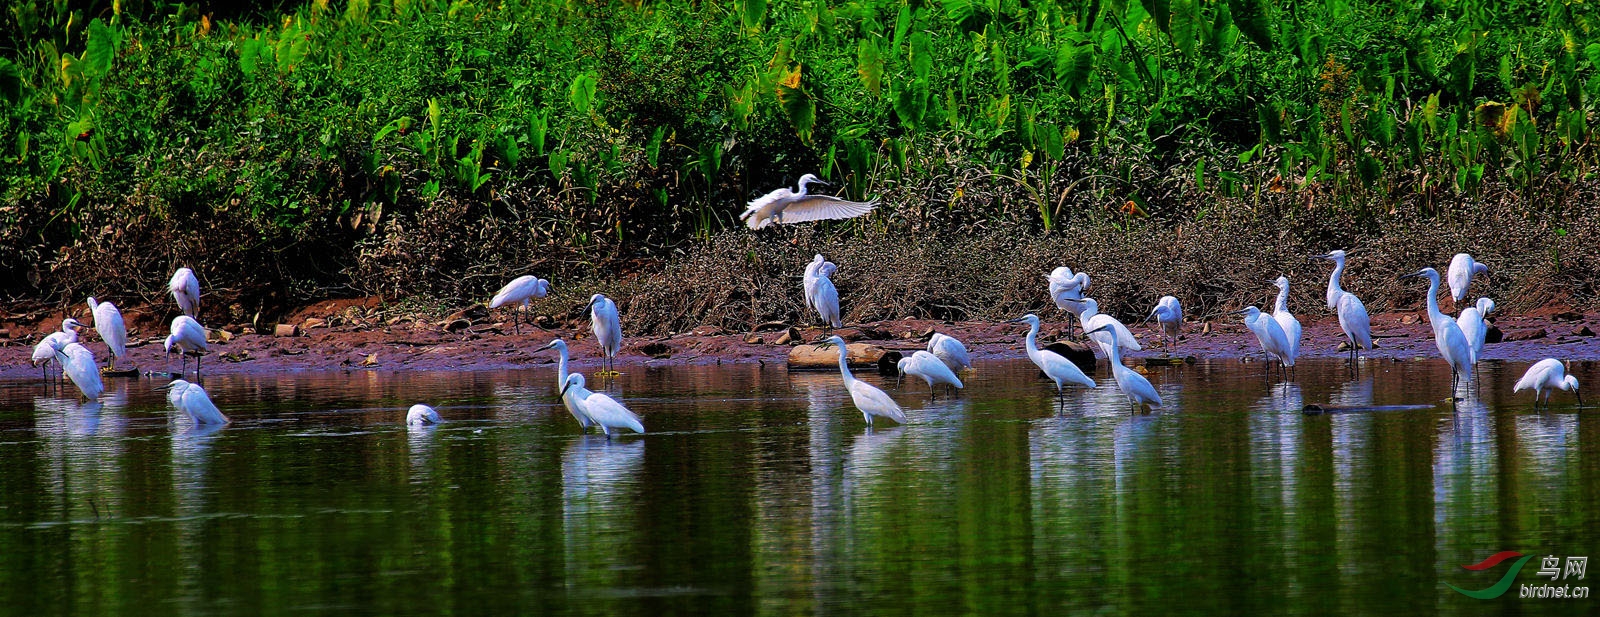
824,207
1537,374
931,366
608,412
825,298
518,289
1137,385
1353,318
870,399
1057,365
78,363
759,212
1459,276
200,407
108,322
1123,338
1291,331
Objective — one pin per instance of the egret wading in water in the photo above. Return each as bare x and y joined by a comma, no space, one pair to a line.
797,206
1447,335
950,351
869,400
1270,335
1116,334
1169,318
1547,376
930,368
1353,319
1059,369
1462,269
600,409
1135,386
607,327
422,415
1066,291
821,294
520,290
46,350
185,290
193,401
1474,325
1286,320
561,382
189,337
77,362
108,322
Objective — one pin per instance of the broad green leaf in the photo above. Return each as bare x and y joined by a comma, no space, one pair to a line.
797,104
581,93
1186,25
869,65
10,81
754,14
1160,11
1252,19
1074,65
101,50
1592,50
921,54
970,16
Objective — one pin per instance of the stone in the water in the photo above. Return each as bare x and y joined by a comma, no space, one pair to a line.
1525,335
1583,331
1078,353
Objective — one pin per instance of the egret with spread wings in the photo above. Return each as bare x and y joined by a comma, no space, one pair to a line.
787,206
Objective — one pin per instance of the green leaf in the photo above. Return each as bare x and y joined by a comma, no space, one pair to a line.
1160,11
1185,25
921,55
797,104
101,50
1074,65
754,14
869,64
1252,19
581,94
1592,50
10,81
968,15
250,52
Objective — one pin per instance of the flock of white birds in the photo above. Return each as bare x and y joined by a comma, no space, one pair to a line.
1460,340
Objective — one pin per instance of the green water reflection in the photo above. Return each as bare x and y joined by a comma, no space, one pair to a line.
761,492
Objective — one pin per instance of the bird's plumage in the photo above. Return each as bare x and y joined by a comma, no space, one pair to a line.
825,299
187,335
1107,330
520,290
1286,320
868,399
108,322
1353,318
606,324
1059,369
422,415
1067,289
1447,335
1546,376
1169,314
795,206
185,288
930,368
1136,387
1474,325
79,365
950,351
1462,269
49,346
1269,334
600,409
561,382
192,400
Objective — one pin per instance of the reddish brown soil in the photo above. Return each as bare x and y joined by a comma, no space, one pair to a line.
352,338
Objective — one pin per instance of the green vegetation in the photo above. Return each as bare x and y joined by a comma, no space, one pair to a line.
430,146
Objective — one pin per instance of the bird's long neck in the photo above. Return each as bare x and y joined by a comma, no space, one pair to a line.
844,366
561,367
1283,300
802,185
1333,285
1434,314
1114,355
1033,341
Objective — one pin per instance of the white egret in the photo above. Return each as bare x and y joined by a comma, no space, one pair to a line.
930,368
1447,335
1168,314
192,400
190,339
1546,376
950,351
185,290
786,206
561,382
1117,334
45,351
818,267
1352,313
520,290
1269,334
825,297
869,400
600,409
1066,291
108,322
1135,386
1055,366
78,364
607,327
1286,320
422,415
1474,327
1462,269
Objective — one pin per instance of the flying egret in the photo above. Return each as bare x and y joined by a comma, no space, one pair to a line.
786,206
1546,376
1138,389
1286,320
1462,269
78,364
45,352
191,399
930,368
1055,366
108,322
1352,313
1447,335
422,415
601,410
825,297
190,339
607,327
869,400
1117,334
1169,317
561,382
185,290
1474,327
520,290
1066,291
1269,334
950,351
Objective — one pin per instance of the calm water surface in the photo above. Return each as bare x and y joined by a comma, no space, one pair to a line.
762,492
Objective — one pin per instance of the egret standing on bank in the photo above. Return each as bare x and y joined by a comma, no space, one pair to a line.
823,296
601,410
422,415
1135,386
108,322
191,399
1474,327
786,206
818,267
930,368
1066,291
1055,366
1545,377
190,339
868,399
950,351
607,327
1352,313
185,290
1447,334
520,290
1462,269
1169,317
